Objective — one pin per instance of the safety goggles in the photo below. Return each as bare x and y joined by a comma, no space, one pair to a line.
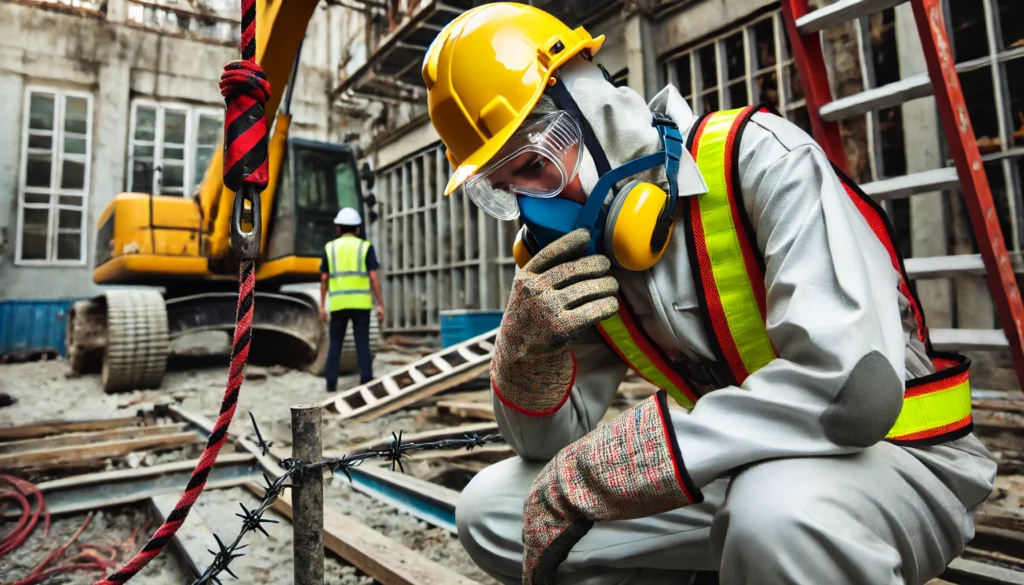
539,160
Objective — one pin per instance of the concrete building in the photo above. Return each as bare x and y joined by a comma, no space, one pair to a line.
117,75
104,97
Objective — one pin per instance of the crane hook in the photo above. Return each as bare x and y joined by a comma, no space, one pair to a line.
246,245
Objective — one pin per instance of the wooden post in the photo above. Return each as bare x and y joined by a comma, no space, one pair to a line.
308,497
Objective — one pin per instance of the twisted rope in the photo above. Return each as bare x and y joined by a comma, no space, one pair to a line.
245,89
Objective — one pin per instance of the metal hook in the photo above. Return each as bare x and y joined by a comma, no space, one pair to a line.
246,245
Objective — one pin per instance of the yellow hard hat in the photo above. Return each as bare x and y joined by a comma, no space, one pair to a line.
485,72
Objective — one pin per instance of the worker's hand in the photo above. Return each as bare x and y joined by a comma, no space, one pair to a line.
380,314
557,295
325,316
627,468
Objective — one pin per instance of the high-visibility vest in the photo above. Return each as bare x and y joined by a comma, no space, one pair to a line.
348,284
730,272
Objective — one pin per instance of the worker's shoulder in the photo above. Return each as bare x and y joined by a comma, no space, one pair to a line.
768,137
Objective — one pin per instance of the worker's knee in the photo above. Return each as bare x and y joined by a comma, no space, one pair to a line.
489,515
768,504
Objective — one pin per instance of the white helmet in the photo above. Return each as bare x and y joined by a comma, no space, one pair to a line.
348,216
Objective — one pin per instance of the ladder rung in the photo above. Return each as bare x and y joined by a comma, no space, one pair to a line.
907,185
941,266
959,265
962,339
892,94
840,12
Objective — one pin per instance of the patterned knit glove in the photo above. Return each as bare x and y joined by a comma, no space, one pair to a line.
627,468
556,295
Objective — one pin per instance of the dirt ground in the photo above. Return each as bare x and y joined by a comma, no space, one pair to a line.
43,392
110,532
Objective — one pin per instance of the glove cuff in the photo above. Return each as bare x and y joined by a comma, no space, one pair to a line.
537,388
690,491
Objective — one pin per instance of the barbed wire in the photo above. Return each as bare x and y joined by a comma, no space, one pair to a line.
253,520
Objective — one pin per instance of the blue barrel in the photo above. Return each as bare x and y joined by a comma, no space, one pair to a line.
33,327
459,325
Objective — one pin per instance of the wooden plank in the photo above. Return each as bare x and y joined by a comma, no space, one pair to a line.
62,455
107,477
387,561
42,429
481,410
87,438
193,541
986,573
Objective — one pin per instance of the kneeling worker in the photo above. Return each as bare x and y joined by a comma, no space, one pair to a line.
815,438
348,269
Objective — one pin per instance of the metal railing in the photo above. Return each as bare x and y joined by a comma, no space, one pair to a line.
437,252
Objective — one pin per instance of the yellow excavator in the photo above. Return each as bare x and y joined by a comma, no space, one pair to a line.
147,242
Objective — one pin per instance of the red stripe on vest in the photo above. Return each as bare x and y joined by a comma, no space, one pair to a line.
932,433
878,227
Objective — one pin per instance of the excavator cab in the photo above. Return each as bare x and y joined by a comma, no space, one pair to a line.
319,179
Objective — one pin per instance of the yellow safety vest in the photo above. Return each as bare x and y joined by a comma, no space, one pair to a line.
729,270
348,284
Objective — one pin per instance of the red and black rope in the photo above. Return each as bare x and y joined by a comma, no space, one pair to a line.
245,89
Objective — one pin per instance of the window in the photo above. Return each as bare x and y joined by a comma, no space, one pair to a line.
988,44
171,146
53,186
741,67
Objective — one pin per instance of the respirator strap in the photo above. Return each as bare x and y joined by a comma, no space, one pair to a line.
672,140
564,101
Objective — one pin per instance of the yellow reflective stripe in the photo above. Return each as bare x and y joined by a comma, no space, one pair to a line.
617,333
721,237
930,413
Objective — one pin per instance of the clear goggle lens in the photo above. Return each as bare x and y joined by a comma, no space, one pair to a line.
538,161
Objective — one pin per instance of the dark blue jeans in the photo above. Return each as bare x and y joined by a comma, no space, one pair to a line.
361,331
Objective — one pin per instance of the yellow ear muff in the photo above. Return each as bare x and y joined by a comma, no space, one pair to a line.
631,223
520,250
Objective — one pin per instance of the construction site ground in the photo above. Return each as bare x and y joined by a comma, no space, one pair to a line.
43,392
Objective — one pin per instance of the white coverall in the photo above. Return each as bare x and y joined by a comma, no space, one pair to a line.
787,498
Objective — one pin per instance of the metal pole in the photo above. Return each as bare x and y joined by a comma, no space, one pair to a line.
308,497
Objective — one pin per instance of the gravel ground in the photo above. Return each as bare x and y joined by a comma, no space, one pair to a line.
107,528
43,392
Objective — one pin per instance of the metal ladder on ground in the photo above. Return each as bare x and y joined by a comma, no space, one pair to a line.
804,28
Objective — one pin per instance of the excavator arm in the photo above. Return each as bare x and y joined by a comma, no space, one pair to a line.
280,28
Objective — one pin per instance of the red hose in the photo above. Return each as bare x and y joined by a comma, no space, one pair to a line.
21,493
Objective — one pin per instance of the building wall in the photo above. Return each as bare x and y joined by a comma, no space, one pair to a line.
115,62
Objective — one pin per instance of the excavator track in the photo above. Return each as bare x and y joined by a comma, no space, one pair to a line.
126,335
137,340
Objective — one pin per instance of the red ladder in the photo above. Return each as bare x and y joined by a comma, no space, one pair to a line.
804,27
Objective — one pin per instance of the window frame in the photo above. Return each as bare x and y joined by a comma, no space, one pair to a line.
784,61
191,175
57,158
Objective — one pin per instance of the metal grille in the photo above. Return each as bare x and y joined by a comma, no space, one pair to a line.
437,253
